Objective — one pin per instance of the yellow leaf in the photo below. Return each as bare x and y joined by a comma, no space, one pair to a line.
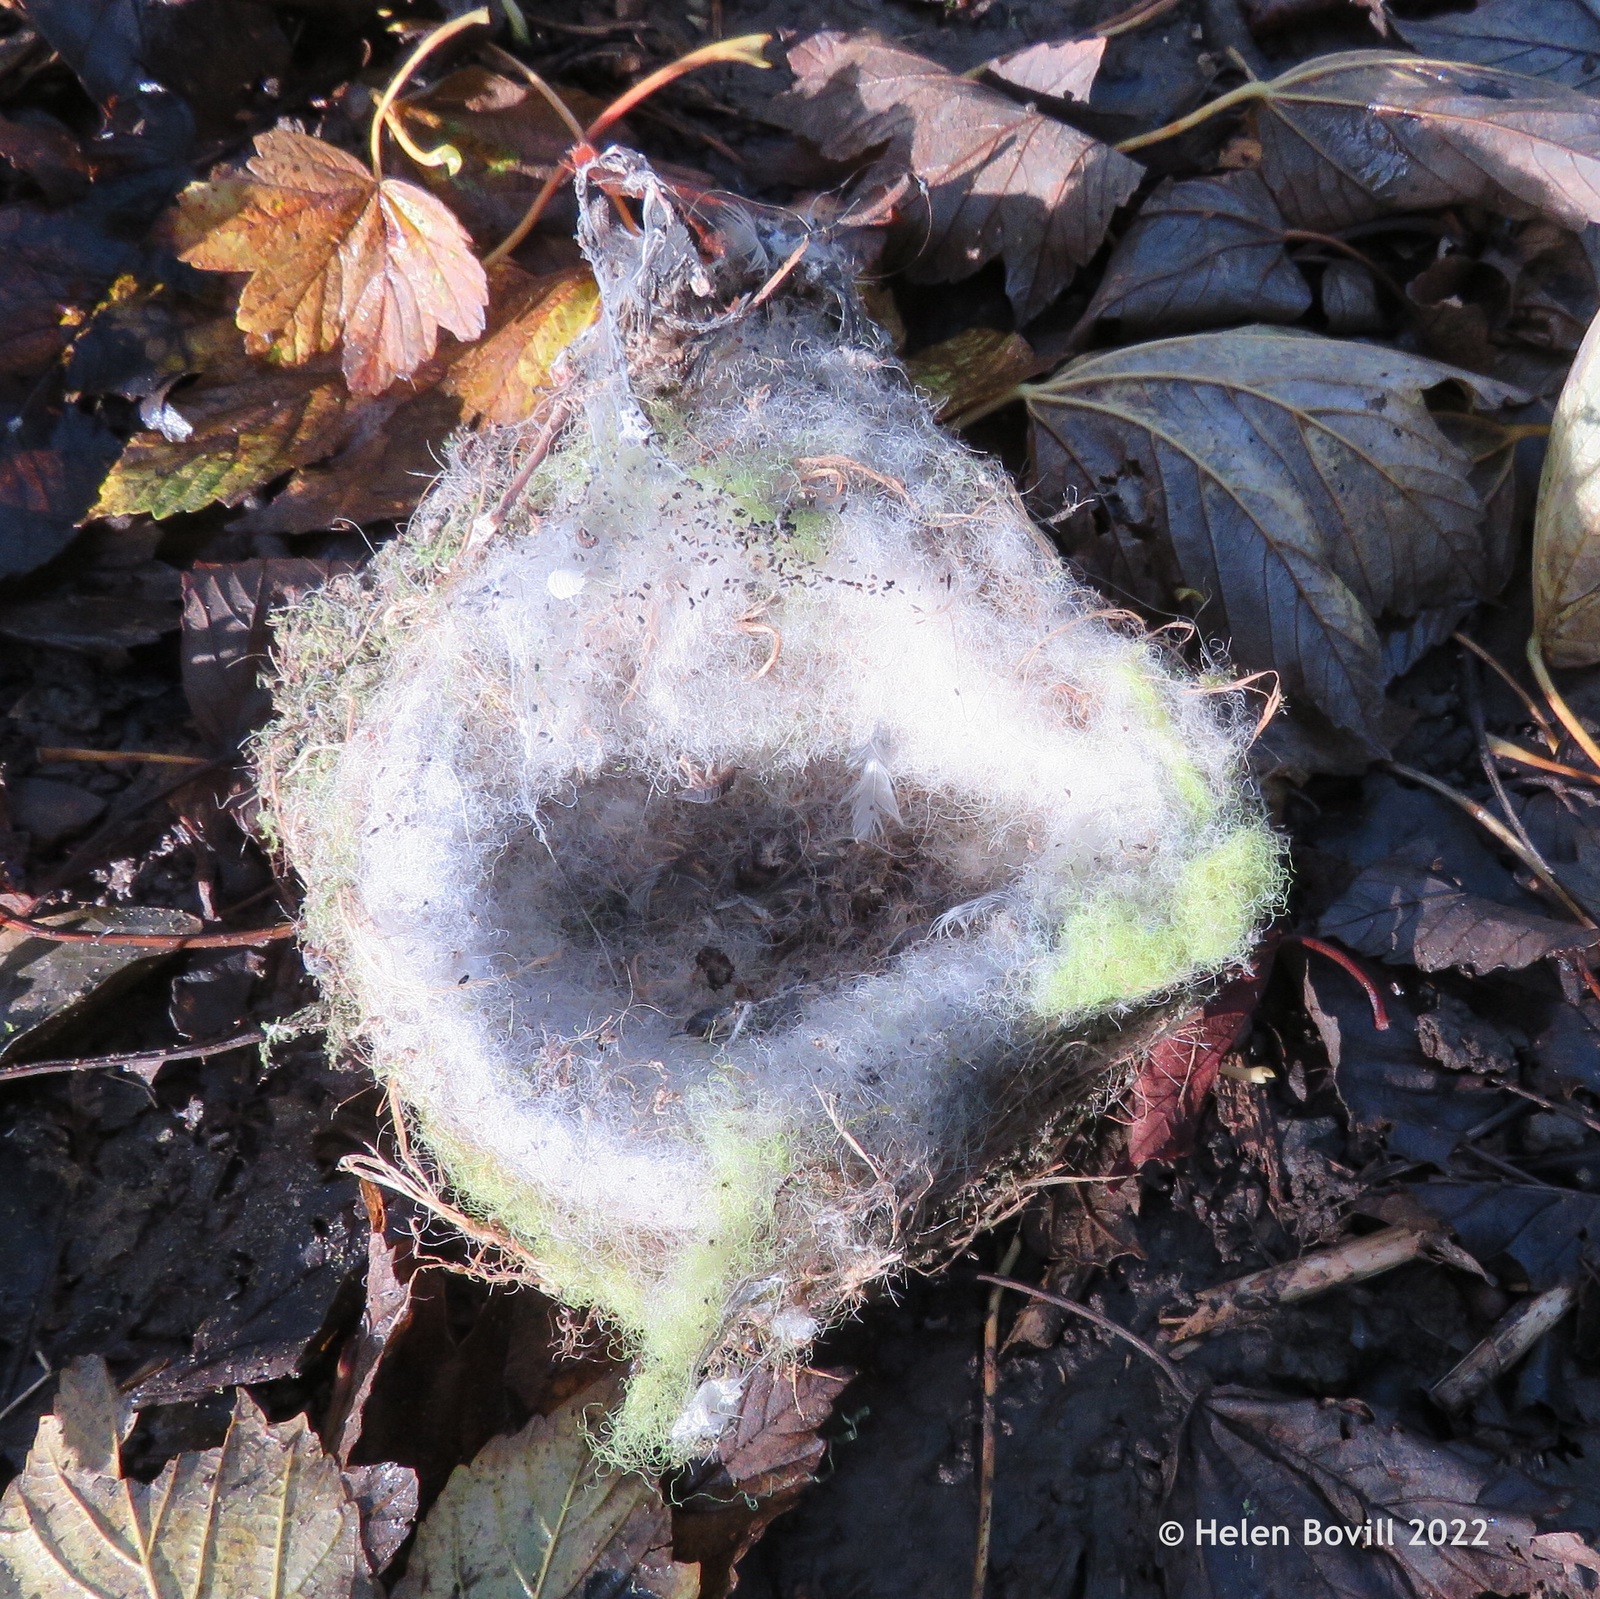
336,255
500,379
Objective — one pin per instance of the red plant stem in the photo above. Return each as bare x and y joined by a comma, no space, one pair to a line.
164,941
1380,1012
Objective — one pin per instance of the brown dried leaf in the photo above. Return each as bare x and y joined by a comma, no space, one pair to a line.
249,424
972,371
1556,39
1299,484
1064,69
1001,180
265,1516
535,1514
1345,138
335,255
500,378
1566,528
378,476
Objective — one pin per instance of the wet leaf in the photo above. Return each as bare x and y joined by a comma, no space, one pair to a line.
1297,483
393,453
336,256
501,377
1384,1078
1299,1460
52,459
384,1316
1411,916
1063,69
227,611
42,149
1544,1231
1566,544
773,1447
45,986
1175,1079
1557,39
971,371
265,1516
387,1496
535,1516
248,424
1001,180
1348,137
58,263
1200,254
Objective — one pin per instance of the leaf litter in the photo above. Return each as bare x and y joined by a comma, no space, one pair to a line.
1326,509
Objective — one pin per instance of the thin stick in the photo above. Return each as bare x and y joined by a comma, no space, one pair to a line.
1135,16
134,1062
53,752
991,1384
28,1392
747,50
1492,824
1104,1323
1581,735
166,941
380,114
1534,709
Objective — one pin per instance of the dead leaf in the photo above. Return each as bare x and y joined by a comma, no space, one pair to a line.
52,458
248,422
1345,138
1556,39
1201,254
392,454
226,629
387,1494
1410,916
972,371
1175,1078
384,1316
42,149
1566,545
1299,485
1001,180
1289,1462
49,985
773,1447
265,1516
1386,1082
500,378
334,255
535,1516
1544,1231
1064,69
58,263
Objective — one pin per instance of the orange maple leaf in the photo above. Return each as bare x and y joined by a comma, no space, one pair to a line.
335,253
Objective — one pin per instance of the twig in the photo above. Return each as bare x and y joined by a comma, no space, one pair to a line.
991,1384
164,941
1493,825
48,753
32,1388
136,1061
1104,1323
1136,16
1503,749
1530,704
1508,1341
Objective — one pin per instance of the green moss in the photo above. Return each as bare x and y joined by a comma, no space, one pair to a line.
669,1317
1116,951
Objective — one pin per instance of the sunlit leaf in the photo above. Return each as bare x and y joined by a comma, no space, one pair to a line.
1297,484
1566,528
500,378
265,1516
536,1516
1556,39
336,256
1348,137
1001,180
972,370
